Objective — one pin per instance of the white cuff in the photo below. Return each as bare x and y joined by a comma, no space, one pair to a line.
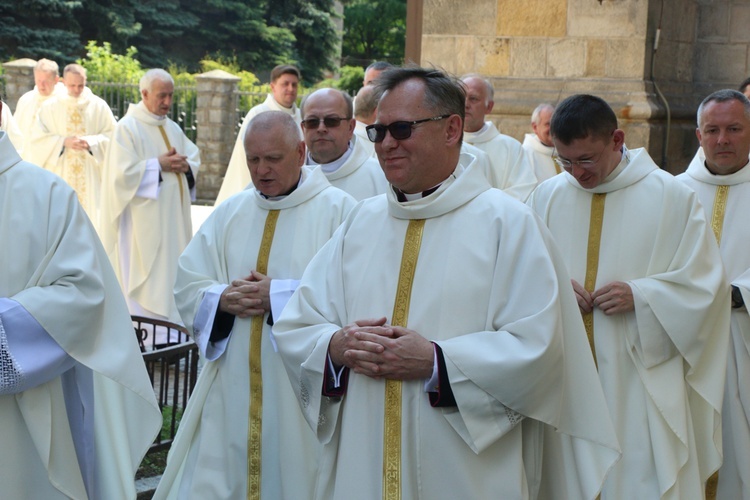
431,384
149,187
204,322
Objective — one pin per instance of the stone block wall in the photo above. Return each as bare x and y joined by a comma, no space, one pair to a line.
544,50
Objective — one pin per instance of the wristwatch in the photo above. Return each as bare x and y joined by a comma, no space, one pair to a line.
737,300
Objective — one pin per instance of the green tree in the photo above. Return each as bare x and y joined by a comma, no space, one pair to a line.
374,30
39,28
314,33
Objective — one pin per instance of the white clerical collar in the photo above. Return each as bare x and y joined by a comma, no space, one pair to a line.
282,196
479,132
153,115
711,173
335,164
621,166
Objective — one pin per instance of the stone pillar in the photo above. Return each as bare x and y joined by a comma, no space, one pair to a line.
19,79
545,50
216,111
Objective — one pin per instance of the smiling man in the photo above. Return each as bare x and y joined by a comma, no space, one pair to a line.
71,136
233,280
328,127
285,80
722,182
148,183
649,283
425,341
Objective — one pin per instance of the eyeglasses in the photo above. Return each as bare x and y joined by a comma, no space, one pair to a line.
399,130
328,121
568,165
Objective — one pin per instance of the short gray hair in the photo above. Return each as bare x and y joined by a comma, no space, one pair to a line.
46,66
535,116
151,76
487,84
269,119
725,95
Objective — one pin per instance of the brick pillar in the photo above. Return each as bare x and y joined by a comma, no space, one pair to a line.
216,112
19,79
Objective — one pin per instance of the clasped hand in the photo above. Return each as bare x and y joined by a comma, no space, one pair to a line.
173,162
375,349
248,296
612,298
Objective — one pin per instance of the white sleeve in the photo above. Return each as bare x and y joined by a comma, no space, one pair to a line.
279,294
29,356
149,187
204,322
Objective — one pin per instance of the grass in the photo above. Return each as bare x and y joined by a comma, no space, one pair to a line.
155,462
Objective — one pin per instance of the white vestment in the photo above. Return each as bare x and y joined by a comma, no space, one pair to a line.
27,111
487,290
540,157
78,426
733,207
360,175
88,117
145,231
361,133
509,168
662,366
209,458
237,176
9,124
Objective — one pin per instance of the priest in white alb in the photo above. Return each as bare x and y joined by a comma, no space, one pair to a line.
285,80
508,167
649,282
345,159
71,135
77,408
46,84
538,144
721,180
147,186
9,125
242,435
425,341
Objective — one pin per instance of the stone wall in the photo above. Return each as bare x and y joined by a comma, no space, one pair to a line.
544,50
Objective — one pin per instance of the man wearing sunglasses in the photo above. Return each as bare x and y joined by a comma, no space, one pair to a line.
346,161
648,278
425,340
285,80
507,166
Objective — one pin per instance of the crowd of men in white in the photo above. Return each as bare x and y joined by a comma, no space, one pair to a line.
391,298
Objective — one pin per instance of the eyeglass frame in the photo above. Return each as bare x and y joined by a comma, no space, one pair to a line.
567,165
378,127
327,122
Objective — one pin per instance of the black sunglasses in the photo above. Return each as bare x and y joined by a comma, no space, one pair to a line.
398,130
328,121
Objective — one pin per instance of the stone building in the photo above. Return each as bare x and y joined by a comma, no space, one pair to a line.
544,50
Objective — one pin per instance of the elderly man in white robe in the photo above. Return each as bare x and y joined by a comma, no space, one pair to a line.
507,168
285,80
147,186
233,279
70,138
650,285
425,341
77,408
46,84
345,159
722,182
538,144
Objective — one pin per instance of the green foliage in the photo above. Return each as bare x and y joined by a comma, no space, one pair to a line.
374,30
39,28
350,80
104,66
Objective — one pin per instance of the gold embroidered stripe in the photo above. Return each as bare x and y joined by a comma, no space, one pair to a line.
720,207
169,146
557,167
592,260
255,414
392,417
